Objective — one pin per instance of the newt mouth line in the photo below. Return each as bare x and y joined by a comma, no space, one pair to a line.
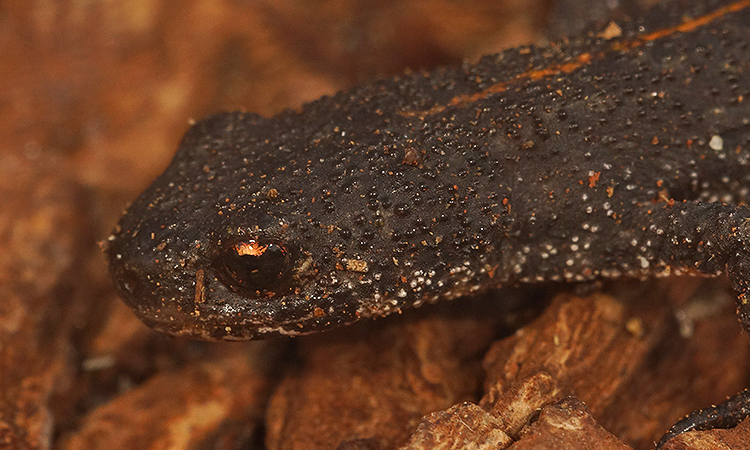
462,101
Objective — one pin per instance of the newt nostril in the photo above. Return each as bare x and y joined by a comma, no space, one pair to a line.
128,279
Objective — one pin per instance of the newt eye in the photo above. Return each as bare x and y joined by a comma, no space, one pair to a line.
254,267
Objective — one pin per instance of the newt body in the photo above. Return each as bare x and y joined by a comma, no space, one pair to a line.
586,159
601,157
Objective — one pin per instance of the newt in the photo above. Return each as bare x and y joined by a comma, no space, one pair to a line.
612,155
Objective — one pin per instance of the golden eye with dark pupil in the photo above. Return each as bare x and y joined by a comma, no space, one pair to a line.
254,267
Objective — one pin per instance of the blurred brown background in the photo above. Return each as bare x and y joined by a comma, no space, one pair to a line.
110,85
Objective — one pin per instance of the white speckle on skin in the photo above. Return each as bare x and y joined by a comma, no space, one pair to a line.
716,143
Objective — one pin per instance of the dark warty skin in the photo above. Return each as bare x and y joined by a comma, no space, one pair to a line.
594,158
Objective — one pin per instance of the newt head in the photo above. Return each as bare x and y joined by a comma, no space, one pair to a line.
237,240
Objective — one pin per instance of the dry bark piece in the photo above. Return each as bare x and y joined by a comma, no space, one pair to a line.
522,401
583,344
463,426
370,384
182,409
564,424
567,424
579,347
628,365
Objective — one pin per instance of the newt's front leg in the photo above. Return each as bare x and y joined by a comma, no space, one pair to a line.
723,233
